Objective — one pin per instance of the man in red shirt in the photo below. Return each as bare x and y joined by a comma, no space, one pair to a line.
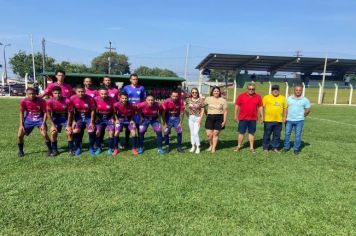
247,107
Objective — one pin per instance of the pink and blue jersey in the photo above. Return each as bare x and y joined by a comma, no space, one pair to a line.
104,108
135,94
66,90
91,92
173,108
151,112
82,106
124,112
34,109
59,108
113,93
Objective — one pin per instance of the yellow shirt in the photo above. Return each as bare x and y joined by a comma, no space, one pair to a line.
273,107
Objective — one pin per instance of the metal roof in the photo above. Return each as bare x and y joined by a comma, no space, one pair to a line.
276,63
122,77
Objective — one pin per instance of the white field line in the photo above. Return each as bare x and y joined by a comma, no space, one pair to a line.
333,121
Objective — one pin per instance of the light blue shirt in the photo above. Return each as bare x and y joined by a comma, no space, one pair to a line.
296,108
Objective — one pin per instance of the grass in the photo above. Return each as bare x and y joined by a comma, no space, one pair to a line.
226,193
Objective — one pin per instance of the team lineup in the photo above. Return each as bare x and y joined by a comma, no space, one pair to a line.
131,111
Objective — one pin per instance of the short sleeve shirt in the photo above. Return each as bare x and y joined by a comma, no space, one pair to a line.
296,108
215,105
248,106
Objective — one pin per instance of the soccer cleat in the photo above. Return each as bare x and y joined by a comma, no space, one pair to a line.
71,153
20,154
49,153
192,149
97,151
109,151
54,153
134,151
161,151
179,149
296,152
285,150
168,149
115,152
197,151
78,152
94,152
140,150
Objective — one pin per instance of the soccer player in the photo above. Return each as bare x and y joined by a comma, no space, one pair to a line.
88,88
247,105
105,119
84,117
112,90
32,114
151,113
298,108
275,111
124,115
66,89
136,94
173,116
59,115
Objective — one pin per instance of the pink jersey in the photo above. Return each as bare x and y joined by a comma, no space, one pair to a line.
114,93
124,111
172,108
66,90
82,106
104,108
59,107
91,92
150,111
34,109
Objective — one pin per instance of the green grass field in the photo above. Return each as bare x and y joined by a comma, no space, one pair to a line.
225,193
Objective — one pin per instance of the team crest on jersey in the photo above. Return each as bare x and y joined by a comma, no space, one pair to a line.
108,107
66,90
64,106
138,92
86,105
112,95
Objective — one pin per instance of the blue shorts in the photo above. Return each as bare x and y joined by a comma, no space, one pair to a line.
29,124
156,126
245,125
124,124
82,123
137,119
104,123
173,122
60,122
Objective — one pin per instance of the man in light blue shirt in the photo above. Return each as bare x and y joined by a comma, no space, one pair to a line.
298,109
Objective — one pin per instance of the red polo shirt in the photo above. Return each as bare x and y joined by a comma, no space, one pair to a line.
248,106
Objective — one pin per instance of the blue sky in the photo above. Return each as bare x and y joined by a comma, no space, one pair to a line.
155,33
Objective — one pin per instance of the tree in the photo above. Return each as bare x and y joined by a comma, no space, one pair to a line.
119,63
220,75
73,68
146,71
22,63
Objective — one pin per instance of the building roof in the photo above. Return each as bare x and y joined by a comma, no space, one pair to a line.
121,77
276,63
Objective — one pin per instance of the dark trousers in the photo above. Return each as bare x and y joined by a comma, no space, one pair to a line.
274,129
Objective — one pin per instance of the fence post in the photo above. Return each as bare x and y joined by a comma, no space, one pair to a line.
3,83
351,91
287,89
335,95
235,90
303,94
320,94
270,87
26,81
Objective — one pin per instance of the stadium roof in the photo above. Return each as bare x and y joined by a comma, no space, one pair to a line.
123,77
276,63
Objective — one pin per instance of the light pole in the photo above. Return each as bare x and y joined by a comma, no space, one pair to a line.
6,45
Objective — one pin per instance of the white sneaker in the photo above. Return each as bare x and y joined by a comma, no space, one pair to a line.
209,149
197,151
192,149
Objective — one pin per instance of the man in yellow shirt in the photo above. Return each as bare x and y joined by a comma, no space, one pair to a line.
275,112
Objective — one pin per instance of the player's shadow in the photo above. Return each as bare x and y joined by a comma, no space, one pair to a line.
302,145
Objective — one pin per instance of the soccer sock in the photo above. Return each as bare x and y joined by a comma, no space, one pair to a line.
179,140
54,146
166,139
127,137
98,142
159,140
116,142
20,145
140,140
134,142
111,143
48,144
76,138
91,140
70,145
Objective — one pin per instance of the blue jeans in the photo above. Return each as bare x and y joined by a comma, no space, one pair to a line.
274,129
298,134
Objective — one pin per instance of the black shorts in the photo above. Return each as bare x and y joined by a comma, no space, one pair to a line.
214,121
245,125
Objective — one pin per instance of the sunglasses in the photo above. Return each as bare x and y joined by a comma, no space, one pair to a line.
251,89
194,92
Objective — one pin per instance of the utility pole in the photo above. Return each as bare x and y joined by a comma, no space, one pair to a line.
186,63
109,58
33,60
298,53
44,63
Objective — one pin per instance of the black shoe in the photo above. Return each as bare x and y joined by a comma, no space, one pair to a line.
54,153
296,152
167,149
180,149
285,150
20,154
71,153
49,153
